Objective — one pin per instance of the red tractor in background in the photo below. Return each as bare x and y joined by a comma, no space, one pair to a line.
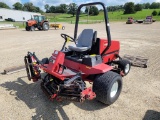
130,20
39,22
92,59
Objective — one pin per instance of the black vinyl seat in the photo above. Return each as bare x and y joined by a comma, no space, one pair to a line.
84,42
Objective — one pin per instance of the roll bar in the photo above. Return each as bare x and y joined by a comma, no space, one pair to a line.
105,18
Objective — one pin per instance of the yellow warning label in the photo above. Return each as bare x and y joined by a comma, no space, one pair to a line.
88,67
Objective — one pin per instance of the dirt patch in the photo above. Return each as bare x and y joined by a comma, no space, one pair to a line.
140,97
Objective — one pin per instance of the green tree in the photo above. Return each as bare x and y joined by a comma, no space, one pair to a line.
155,5
114,8
72,8
58,9
93,10
138,7
47,7
52,9
147,5
37,9
18,6
29,7
63,8
86,10
154,13
4,5
129,8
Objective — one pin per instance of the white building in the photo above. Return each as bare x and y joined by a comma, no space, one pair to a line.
17,15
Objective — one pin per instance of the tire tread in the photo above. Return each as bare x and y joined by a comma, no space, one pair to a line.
101,85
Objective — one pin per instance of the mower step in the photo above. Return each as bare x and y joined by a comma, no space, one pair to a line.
137,61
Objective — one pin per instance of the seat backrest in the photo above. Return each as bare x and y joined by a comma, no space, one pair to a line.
85,39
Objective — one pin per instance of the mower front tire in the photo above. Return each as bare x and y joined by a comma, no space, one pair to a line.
107,87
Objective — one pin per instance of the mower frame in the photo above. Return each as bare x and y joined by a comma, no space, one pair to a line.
66,70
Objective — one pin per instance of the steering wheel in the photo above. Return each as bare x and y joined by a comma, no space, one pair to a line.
67,36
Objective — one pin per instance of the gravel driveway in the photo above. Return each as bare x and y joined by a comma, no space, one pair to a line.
21,99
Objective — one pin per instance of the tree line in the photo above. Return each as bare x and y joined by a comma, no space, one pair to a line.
70,9
128,8
62,8
131,8
25,7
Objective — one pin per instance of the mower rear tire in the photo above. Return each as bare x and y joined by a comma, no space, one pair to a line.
107,87
45,26
32,28
125,66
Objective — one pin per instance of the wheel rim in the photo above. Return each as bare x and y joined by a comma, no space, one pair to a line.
114,89
127,67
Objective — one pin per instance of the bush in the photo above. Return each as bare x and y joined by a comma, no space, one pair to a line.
159,13
154,13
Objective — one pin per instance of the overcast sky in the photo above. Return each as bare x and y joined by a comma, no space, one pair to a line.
41,3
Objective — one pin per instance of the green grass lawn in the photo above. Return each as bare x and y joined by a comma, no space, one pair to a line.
69,18
138,15
84,18
113,16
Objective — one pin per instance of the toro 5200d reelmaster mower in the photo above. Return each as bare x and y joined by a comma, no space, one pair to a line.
91,59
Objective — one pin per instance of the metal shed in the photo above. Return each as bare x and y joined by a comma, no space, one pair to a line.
16,14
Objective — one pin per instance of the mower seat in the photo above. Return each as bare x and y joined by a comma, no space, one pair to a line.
84,41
